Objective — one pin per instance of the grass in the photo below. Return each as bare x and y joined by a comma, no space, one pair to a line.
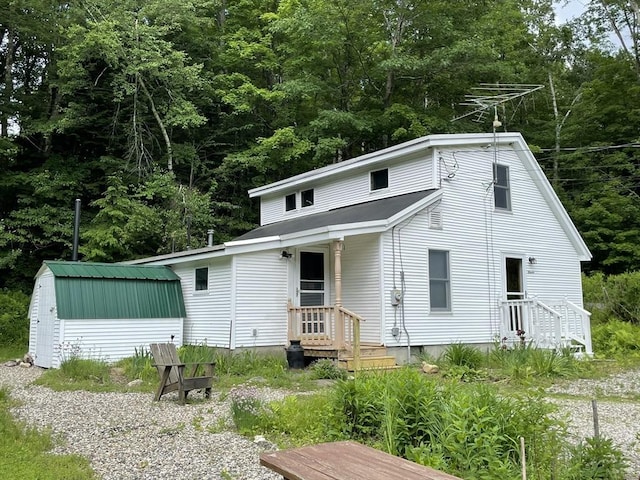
11,352
294,421
231,369
24,452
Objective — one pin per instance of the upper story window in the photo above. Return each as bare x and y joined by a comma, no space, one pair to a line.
290,202
501,187
439,281
379,179
202,279
306,198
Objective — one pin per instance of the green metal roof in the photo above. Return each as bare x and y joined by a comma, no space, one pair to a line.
114,291
110,270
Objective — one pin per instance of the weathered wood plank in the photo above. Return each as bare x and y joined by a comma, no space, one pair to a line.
346,461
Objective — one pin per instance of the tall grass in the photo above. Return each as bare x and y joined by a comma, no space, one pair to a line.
466,430
23,452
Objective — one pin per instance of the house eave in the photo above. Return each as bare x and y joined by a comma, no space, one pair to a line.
396,151
181,257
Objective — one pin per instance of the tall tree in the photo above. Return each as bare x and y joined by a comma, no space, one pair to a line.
119,57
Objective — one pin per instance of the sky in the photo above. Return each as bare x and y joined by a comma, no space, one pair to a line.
572,9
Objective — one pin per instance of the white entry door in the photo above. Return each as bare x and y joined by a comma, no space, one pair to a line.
515,290
313,288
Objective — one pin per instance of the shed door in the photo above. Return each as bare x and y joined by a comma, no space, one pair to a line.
45,323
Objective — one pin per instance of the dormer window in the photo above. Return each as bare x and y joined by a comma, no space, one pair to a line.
379,179
290,202
306,198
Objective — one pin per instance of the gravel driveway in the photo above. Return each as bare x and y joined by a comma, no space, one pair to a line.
128,436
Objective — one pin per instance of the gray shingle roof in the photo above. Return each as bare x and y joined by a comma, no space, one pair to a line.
362,212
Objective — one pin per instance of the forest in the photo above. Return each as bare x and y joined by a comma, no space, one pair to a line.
160,114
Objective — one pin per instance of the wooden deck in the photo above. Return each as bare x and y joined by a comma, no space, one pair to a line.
346,461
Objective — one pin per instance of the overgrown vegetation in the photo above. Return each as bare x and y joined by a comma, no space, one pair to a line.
23,451
615,314
468,430
14,320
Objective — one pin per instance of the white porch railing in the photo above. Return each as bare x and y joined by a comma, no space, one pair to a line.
332,326
530,320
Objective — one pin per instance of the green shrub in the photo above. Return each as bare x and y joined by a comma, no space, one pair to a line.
80,369
613,296
297,420
596,459
615,338
463,355
327,369
247,409
139,366
468,430
14,320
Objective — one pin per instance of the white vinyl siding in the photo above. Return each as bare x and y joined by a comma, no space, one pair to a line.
439,281
208,313
477,236
261,295
361,282
113,339
405,176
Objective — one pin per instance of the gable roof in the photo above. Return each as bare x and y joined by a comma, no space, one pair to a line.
381,209
115,291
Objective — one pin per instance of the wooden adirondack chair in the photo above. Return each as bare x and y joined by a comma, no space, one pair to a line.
173,374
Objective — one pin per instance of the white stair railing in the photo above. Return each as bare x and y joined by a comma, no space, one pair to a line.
531,320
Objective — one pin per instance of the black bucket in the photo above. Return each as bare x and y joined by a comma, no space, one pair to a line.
295,354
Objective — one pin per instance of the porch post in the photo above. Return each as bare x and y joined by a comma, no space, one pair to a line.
338,245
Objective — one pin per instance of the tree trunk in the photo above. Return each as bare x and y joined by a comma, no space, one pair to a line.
558,128
8,84
163,129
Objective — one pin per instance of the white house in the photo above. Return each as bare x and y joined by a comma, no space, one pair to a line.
442,239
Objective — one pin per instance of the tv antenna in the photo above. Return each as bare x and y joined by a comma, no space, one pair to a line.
488,96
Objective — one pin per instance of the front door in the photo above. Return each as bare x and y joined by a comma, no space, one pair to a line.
312,290
514,285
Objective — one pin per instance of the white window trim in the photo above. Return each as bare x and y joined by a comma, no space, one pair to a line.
205,291
384,189
438,310
509,206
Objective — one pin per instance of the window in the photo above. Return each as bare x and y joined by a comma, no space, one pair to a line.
379,179
439,281
501,195
290,202
202,279
306,198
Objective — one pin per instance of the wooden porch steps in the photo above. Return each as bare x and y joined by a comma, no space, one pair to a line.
372,356
370,362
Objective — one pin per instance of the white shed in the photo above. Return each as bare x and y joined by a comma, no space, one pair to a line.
102,311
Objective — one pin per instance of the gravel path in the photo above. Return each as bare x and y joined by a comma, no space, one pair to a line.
128,436
618,405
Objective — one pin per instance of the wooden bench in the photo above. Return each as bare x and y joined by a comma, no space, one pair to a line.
346,461
174,376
